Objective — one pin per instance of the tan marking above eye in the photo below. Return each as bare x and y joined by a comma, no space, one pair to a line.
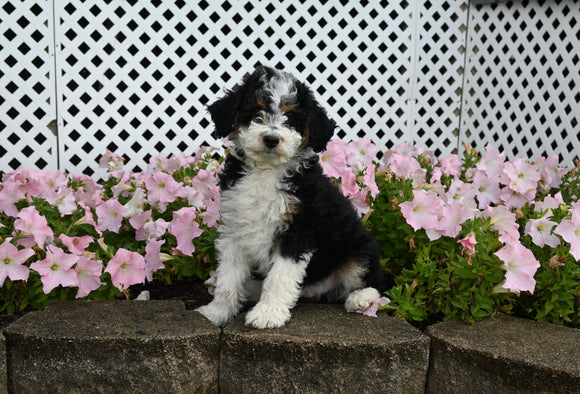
261,103
287,107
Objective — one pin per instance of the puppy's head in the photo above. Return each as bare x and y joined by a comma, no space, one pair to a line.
271,117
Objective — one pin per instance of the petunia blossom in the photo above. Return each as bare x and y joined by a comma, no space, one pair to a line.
504,222
56,269
520,265
486,189
333,159
10,194
492,163
12,262
451,165
76,245
541,232
361,153
153,258
32,223
111,214
422,211
88,275
185,229
569,230
161,188
126,268
468,242
523,176
372,310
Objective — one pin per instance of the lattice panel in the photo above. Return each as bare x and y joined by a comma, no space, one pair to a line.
522,93
136,76
26,86
439,70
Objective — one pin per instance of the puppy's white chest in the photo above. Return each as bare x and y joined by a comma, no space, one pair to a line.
253,212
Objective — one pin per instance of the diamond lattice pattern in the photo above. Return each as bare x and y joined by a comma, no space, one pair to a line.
523,85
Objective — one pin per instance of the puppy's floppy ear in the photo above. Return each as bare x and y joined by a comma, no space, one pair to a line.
223,112
319,126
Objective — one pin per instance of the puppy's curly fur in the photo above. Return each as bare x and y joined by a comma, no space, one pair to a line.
283,219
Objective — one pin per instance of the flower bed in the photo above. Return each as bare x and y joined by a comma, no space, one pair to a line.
461,238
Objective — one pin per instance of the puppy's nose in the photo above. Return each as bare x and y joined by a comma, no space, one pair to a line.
271,141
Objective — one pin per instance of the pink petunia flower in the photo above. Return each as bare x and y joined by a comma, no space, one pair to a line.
111,214
136,204
10,194
76,245
569,230
504,222
88,219
65,201
407,168
462,192
185,229
32,223
523,176
212,214
550,174
492,163
111,161
88,275
126,268
370,181
153,258
541,232
423,211
161,187
372,310
361,153
348,183
516,200
451,165
12,262
333,160
360,201
468,242
452,217
56,269
549,202
520,265
486,189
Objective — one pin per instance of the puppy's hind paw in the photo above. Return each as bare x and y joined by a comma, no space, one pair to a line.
361,300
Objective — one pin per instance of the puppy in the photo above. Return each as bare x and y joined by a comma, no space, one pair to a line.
283,220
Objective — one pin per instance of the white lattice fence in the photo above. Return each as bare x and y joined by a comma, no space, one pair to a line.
522,93
27,94
135,76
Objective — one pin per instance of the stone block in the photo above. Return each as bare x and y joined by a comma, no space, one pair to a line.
503,355
5,320
323,349
113,346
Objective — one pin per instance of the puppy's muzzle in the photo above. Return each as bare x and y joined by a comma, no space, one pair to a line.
271,141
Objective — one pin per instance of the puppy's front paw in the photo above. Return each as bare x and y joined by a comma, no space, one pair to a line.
217,314
263,316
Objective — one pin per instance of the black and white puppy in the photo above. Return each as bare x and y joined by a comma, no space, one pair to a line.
283,220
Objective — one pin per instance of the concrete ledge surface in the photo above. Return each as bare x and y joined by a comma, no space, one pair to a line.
112,346
323,349
504,354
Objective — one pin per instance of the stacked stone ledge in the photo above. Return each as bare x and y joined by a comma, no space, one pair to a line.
158,346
